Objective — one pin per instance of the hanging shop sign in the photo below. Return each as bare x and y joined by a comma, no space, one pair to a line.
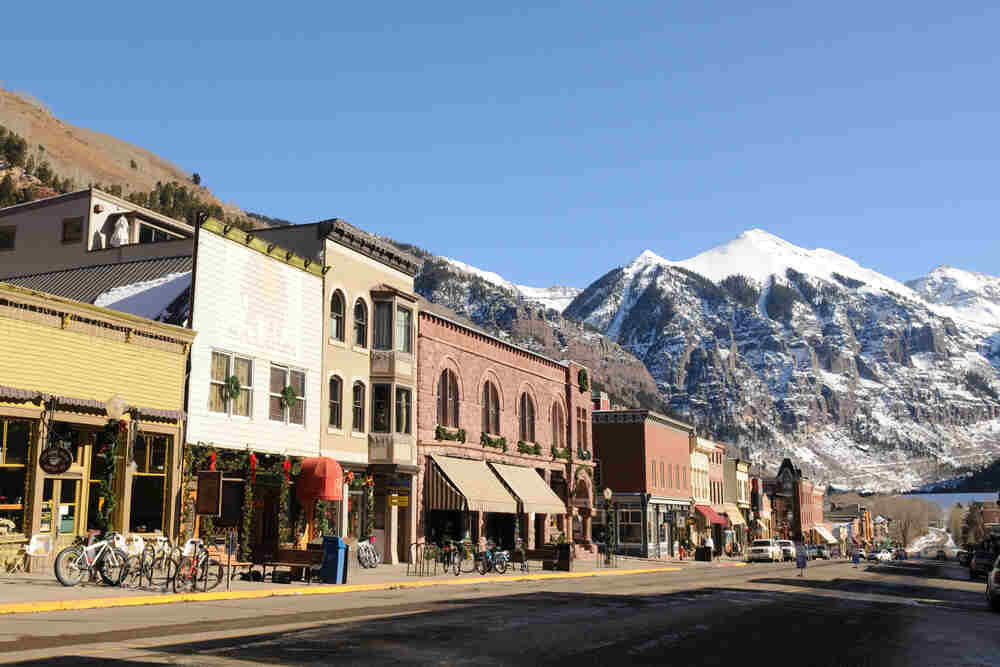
209,499
55,460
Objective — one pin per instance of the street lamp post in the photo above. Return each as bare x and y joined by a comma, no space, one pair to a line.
612,531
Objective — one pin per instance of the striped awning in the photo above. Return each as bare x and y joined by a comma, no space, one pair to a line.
463,484
529,487
734,514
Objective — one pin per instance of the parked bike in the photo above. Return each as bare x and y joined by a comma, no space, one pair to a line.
493,559
107,558
155,567
368,555
197,570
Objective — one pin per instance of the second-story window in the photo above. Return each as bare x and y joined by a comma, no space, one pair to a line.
447,399
380,408
358,423
403,418
558,427
336,402
383,325
491,409
404,329
337,316
220,398
527,418
287,406
360,324
581,428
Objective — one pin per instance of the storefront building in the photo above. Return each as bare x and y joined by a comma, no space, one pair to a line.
736,494
370,369
646,463
503,440
91,421
707,493
797,506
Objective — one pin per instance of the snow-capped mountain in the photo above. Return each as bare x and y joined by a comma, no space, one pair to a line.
789,351
975,296
556,298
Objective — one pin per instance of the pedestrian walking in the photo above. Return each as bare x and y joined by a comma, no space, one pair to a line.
711,547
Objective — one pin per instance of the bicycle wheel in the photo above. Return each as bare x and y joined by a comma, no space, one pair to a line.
161,572
67,566
500,565
133,572
212,574
113,566
186,576
483,564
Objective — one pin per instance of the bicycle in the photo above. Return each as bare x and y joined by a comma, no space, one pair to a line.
461,552
368,555
493,559
156,564
197,566
105,557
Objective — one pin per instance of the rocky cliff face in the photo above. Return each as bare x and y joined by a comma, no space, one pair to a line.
530,317
788,351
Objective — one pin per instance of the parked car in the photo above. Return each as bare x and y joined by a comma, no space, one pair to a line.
941,555
823,552
787,549
981,563
885,555
872,556
993,585
764,551
964,556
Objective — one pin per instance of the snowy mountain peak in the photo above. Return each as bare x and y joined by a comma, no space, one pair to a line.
556,298
973,295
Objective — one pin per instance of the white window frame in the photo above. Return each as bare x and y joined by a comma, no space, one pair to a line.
285,410
230,369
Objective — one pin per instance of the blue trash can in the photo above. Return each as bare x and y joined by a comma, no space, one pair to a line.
335,560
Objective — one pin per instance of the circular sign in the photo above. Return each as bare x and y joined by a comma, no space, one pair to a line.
55,460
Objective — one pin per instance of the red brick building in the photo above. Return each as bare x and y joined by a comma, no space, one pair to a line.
503,439
798,506
644,460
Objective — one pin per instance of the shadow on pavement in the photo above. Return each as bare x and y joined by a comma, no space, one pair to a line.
973,601
708,626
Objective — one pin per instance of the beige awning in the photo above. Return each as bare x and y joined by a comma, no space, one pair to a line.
734,514
825,534
529,487
476,483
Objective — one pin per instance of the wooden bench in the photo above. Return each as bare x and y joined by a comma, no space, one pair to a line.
305,559
219,554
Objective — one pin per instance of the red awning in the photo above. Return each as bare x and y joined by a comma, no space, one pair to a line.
711,516
321,478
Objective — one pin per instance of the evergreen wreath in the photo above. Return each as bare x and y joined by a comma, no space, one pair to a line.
583,380
288,396
233,387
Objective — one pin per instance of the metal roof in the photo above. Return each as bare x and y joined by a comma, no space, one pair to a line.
86,283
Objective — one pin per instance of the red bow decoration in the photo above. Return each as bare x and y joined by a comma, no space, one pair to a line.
211,461
287,466
253,467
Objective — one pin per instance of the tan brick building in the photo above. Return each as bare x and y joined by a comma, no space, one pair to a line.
503,439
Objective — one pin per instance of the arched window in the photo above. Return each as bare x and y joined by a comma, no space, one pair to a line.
447,399
359,407
558,427
337,316
336,402
527,418
361,324
491,409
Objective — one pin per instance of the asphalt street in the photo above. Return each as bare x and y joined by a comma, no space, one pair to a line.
910,613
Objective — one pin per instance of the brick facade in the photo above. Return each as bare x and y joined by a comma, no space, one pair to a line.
476,358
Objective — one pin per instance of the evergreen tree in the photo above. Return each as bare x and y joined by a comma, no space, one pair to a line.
196,178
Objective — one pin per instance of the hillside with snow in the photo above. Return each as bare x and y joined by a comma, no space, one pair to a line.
974,296
556,298
804,353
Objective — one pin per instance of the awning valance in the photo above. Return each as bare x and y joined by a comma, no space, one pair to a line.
321,478
529,487
825,534
474,483
711,516
734,514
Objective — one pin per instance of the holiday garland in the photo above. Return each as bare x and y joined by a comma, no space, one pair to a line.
233,387
113,439
528,447
583,380
495,443
288,396
560,453
441,433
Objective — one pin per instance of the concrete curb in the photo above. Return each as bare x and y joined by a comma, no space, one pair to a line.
315,589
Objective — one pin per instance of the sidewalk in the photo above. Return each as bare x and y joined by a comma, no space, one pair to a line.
25,593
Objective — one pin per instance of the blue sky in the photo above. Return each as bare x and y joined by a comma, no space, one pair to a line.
552,142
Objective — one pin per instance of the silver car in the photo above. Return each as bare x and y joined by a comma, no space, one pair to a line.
787,549
993,585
